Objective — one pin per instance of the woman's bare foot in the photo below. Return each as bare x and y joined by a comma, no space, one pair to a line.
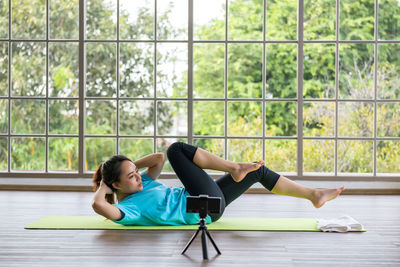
242,169
323,195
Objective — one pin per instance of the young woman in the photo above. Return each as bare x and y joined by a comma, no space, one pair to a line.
144,201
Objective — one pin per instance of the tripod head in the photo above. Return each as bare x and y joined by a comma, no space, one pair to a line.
203,204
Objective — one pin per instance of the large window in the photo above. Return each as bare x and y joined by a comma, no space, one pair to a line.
312,87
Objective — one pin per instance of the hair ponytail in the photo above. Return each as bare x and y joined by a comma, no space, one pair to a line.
97,177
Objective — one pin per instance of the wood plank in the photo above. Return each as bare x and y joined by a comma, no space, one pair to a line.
380,245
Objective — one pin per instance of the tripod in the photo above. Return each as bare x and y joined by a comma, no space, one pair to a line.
204,231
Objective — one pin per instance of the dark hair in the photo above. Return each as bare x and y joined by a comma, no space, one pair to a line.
110,172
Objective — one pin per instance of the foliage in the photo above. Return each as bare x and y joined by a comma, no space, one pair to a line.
244,72
356,81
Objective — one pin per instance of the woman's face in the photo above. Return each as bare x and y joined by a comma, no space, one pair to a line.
130,179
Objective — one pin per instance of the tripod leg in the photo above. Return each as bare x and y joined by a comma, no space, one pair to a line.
212,241
190,241
204,243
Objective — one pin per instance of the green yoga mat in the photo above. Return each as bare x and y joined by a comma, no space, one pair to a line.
225,223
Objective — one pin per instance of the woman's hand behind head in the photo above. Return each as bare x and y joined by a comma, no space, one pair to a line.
108,189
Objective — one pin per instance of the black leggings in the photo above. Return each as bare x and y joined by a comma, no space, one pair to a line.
197,181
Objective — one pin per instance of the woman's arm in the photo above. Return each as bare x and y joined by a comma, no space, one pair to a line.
154,162
102,207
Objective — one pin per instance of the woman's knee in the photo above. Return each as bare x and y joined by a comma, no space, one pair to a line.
263,169
173,149
268,178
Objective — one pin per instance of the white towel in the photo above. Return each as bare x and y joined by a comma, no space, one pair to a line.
342,224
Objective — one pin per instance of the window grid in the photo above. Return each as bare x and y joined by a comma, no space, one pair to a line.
375,83
117,77
300,43
336,85
47,90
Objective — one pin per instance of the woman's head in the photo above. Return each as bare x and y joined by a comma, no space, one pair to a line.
120,174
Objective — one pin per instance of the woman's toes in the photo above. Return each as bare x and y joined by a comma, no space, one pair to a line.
325,195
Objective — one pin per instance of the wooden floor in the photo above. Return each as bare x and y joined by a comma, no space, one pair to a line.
380,245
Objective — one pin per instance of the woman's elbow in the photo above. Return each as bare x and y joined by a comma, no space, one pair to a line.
94,205
161,157
97,207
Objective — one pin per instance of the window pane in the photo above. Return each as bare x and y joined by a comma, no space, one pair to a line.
63,70
245,70
101,78
28,69
389,20
3,116
3,69
136,68
172,117
244,150
97,151
280,119
172,68
356,20
172,20
388,157
276,150
63,154
356,119
28,153
4,19
162,146
319,71
209,19
208,118
28,116
356,74
136,19
281,75
101,117
136,117
388,120
245,20
388,71
319,119
281,20
355,156
64,116
208,70
134,148
319,20
64,19
101,19
28,19
3,154
244,118
319,156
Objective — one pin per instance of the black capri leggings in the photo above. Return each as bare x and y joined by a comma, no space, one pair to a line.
197,181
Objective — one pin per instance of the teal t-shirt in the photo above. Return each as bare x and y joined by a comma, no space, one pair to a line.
156,204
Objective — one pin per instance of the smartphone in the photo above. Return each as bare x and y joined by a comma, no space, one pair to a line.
197,204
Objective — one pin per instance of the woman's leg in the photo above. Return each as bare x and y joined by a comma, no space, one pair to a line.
233,185
232,190
194,178
207,160
318,197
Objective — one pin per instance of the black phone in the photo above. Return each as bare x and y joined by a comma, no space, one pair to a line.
203,204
